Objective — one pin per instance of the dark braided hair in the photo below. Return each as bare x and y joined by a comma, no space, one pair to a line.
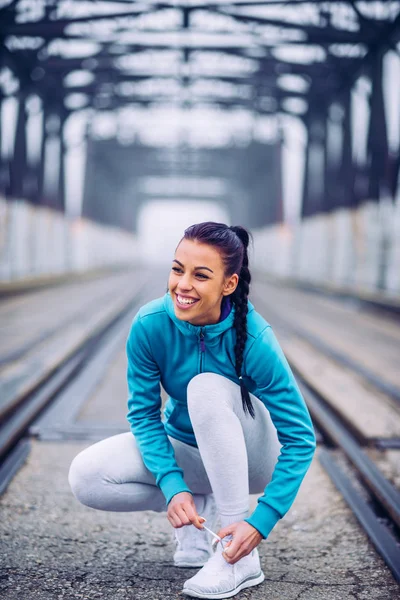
232,242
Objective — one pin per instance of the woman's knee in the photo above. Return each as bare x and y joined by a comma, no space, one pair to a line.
208,392
84,479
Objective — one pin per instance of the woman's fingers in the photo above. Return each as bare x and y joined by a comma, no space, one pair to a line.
230,530
188,516
177,517
175,513
233,549
182,511
245,539
184,514
171,518
193,517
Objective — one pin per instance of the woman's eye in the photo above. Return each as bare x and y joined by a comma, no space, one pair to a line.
201,275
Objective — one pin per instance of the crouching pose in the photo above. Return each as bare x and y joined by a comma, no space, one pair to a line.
235,422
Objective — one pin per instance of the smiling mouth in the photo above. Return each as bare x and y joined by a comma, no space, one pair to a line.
181,302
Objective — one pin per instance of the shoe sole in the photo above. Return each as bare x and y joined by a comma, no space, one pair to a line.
188,565
249,582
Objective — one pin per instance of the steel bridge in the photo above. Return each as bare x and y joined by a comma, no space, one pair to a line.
275,62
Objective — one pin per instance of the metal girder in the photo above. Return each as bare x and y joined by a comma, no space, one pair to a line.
95,87
244,3
333,69
18,163
315,35
104,62
377,144
382,41
48,29
329,75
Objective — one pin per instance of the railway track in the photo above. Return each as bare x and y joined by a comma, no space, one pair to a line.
47,333
341,358
378,510
379,302
19,411
373,499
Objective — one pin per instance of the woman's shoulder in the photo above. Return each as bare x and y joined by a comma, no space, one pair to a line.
256,323
150,316
152,308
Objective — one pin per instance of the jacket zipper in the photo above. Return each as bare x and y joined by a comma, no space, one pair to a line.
202,348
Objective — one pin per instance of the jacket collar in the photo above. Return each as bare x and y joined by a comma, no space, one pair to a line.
209,331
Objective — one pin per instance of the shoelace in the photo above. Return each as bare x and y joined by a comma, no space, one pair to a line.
217,538
216,564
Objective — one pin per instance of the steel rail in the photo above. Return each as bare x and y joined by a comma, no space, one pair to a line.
384,386
12,399
14,426
387,496
45,334
384,542
336,429
331,426
385,306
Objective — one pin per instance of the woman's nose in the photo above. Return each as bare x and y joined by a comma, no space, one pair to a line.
185,283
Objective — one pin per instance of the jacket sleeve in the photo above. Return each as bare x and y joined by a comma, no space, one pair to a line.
144,413
267,366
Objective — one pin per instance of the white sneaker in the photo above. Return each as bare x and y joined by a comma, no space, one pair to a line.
193,546
218,579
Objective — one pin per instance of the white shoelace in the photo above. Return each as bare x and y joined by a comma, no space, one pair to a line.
217,538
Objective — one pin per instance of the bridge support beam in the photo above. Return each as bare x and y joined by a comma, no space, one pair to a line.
348,197
18,162
377,145
61,171
51,190
314,187
4,160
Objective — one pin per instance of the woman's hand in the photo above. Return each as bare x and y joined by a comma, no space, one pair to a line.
182,511
245,539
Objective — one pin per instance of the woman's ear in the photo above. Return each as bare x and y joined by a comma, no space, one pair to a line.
231,284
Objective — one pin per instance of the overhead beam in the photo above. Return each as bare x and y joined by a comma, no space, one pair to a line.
246,3
93,90
315,35
381,42
267,65
51,28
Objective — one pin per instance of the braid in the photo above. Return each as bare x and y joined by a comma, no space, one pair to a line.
240,296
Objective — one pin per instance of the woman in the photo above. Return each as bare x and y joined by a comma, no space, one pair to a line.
235,421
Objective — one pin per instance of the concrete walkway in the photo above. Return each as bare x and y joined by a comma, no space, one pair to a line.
52,547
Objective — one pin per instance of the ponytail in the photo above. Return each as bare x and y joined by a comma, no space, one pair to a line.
240,299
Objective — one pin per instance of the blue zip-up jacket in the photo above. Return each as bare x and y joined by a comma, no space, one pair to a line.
164,349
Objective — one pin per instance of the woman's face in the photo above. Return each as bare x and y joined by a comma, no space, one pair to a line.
197,283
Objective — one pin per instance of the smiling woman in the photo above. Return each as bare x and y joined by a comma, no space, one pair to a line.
233,409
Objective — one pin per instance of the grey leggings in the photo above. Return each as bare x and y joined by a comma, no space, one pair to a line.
236,455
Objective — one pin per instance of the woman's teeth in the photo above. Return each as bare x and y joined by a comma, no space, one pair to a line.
185,300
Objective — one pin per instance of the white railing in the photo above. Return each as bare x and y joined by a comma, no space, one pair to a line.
38,241
357,248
